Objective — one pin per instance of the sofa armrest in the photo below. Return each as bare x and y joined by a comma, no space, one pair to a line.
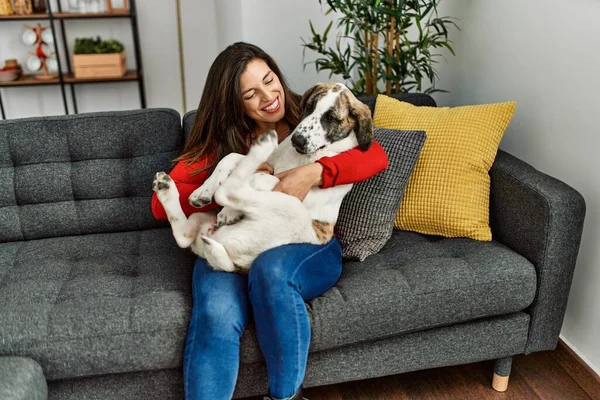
22,378
541,218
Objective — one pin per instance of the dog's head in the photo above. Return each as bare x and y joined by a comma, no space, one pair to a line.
330,114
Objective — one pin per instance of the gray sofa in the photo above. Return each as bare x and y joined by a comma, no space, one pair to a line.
96,292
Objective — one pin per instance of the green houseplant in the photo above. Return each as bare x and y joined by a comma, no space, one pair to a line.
392,42
97,46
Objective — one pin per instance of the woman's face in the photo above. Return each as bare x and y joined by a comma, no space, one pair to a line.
262,94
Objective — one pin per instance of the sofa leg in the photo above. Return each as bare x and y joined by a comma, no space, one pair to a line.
501,374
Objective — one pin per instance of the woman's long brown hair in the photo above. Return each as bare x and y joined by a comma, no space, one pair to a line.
221,126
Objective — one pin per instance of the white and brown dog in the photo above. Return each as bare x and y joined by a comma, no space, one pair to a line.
255,219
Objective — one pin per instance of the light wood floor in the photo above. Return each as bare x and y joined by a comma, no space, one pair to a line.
557,374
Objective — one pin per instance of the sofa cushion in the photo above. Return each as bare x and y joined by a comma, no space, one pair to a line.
86,173
368,211
416,282
96,304
110,303
22,379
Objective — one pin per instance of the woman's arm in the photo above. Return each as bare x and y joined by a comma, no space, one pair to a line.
186,184
353,166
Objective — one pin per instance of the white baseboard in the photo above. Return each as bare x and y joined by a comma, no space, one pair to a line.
583,358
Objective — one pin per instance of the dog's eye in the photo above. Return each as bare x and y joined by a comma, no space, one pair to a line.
330,118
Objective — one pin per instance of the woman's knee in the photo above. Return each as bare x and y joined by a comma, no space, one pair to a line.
223,317
271,266
220,302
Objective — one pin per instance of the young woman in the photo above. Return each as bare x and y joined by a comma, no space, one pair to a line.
244,96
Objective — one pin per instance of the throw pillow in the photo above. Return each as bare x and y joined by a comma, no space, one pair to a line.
366,219
449,190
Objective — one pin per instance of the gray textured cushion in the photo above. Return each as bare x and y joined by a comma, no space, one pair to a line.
22,379
93,300
368,211
416,282
80,174
96,304
165,384
416,99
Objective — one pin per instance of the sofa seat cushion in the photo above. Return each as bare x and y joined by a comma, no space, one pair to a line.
96,304
416,282
22,379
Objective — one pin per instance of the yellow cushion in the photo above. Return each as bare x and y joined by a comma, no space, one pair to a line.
448,192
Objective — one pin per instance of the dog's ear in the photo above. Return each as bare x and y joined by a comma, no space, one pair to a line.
306,96
363,127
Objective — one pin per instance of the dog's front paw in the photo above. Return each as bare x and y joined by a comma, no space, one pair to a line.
228,216
264,145
165,188
200,197
161,182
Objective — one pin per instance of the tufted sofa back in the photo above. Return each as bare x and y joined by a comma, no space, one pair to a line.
81,174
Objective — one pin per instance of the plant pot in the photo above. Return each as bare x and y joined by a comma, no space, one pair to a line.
99,65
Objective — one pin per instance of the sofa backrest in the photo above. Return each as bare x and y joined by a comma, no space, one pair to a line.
86,173
418,99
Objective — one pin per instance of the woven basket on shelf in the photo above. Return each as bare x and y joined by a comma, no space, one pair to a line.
5,7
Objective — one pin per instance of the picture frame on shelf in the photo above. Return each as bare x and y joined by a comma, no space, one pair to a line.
117,6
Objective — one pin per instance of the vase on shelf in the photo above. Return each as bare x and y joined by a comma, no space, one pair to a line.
39,6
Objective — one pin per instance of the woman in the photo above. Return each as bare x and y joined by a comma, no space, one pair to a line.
244,96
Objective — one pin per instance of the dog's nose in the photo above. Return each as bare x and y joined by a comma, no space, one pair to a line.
298,141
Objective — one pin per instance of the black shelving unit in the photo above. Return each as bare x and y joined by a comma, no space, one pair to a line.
67,78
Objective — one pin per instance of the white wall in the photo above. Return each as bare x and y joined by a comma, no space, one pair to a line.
281,37
545,56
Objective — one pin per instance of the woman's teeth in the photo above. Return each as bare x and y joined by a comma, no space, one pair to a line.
272,106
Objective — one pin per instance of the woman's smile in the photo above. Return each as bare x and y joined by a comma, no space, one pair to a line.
273,107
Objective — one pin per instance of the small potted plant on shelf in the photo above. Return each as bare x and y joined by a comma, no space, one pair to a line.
97,58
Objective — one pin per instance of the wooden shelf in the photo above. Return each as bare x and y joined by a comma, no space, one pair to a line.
130,75
67,15
15,17
113,14
30,80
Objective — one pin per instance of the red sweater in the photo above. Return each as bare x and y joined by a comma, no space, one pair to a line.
351,166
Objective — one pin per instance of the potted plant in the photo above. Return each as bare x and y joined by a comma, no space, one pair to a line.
97,58
392,42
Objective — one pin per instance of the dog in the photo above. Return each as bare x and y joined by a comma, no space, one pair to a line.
254,218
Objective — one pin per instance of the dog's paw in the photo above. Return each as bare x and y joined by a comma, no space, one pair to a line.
264,145
200,197
161,182
228,216
164,187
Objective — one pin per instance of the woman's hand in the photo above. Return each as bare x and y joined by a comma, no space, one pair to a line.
265,168
298,181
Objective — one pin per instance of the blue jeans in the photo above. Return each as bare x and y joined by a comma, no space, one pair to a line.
274,292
